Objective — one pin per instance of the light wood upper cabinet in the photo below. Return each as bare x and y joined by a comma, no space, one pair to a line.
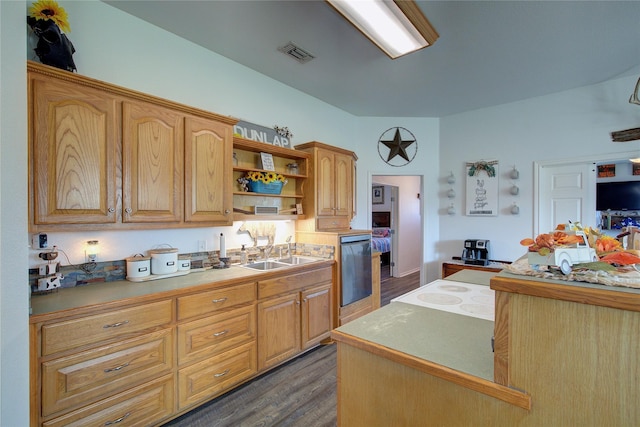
334,174
74,130
332,188
103,157
208,171
152,163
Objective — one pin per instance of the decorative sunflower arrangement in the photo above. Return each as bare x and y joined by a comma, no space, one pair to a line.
256,179
50,10
49,23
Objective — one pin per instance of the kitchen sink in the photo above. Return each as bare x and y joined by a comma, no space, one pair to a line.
265,265
296,260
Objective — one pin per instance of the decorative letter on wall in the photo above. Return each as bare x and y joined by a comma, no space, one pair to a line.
482,188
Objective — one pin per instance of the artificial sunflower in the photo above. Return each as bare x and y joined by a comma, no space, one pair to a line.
50,10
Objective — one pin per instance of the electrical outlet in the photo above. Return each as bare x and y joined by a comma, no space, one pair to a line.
202,245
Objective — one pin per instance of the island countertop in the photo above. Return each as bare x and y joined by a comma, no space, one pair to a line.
450,346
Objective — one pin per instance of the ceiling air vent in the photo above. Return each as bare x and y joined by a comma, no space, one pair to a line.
297,53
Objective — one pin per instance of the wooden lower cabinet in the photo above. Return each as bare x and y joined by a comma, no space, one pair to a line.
139,406
144,363
210,377
79,379
292,323
294,313
279,335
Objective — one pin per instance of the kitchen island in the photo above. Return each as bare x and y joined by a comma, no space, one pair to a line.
565,354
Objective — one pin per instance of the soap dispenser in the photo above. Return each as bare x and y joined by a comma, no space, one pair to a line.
244,257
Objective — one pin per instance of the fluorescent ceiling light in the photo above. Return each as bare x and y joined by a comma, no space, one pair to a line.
397,27
635,160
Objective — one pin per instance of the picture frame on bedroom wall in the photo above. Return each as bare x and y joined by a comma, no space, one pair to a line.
607,171
377,195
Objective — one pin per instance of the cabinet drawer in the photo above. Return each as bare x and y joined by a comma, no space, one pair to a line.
140,406
213,376
103,327
333,223
89,376
215,334
269,288
216,300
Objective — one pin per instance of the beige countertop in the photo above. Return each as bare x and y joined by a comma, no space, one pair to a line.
88,296
453,347
454,341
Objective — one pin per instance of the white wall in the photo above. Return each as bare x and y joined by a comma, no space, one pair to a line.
565,125
14,291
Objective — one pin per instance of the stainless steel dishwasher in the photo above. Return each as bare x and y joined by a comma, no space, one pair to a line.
355,261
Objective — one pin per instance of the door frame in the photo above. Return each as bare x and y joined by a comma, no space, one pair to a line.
539,165
422,214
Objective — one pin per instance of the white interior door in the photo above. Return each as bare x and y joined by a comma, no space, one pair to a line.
566,192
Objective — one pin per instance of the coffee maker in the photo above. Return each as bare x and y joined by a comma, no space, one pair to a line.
476,252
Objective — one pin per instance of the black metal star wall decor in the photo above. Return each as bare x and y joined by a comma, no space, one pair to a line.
397,146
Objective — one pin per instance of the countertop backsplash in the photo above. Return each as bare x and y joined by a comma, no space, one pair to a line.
110,271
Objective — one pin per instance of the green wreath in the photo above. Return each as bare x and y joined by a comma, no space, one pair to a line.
477,167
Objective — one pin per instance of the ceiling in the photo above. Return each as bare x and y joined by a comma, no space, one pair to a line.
488,53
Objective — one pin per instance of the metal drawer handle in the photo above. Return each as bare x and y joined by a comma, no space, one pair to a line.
119,420
115,325
221,374
218,334
117,368
219,300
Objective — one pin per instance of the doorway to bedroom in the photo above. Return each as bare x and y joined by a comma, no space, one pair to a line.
396,222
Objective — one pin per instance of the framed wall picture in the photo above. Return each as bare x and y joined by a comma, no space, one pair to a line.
607,171
377,195
482,188
636,168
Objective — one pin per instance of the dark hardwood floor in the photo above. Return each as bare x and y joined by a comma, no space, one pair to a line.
302,392
391,287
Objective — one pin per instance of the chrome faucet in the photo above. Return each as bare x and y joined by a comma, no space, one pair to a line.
266,251
289,246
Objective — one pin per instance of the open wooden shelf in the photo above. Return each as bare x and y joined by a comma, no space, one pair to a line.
247,155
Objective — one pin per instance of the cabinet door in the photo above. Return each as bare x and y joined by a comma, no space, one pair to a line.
74,151
208,190
343,185
278,330
325,179
153,146
316,315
